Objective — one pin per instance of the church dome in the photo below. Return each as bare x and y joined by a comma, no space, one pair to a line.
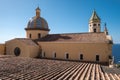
37,22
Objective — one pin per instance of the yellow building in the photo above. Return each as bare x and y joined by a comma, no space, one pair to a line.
92,46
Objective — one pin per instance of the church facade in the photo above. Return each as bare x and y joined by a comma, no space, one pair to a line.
93,46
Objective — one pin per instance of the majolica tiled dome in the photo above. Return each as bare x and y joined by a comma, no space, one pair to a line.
37,22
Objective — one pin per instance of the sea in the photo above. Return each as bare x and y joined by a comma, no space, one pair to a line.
116,53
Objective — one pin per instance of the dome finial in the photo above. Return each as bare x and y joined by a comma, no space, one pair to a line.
38,8
38,12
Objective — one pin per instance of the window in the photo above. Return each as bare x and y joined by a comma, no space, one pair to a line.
98,24
67,56
54,55
94,24
97,57
94,30
30,35
40,55
110,57
17,51
81,56
43,54
39,35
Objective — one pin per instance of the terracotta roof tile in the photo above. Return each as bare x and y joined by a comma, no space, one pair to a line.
25,41
76,37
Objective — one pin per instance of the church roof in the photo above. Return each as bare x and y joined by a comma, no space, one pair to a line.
94,16
76,37
37,23
25,41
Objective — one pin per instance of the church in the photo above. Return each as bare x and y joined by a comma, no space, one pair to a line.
93,46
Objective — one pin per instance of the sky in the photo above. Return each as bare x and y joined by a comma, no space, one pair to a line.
63,16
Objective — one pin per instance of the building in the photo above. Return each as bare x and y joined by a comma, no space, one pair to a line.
93,46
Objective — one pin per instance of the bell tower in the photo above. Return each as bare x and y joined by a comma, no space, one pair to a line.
94,23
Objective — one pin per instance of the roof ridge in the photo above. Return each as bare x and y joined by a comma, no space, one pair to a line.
75,33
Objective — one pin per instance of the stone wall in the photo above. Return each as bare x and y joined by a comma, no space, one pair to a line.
89,50
34,33
2,49
27,49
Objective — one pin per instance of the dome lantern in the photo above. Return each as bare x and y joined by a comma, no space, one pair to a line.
38,12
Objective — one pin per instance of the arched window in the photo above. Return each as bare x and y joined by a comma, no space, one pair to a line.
94,24
54,55
43,54
97,58
39,35
98,24
94,30
17,51
40,55
81,56
30,35
67,56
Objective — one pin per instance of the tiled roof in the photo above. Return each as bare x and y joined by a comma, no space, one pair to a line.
20,68
25,41
76,37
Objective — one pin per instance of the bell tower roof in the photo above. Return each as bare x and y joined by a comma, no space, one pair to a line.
94,23
94,16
